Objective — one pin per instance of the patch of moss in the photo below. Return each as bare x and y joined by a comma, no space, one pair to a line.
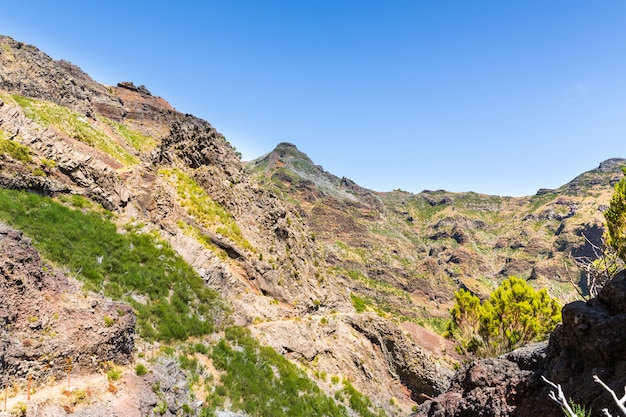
135,139
14,149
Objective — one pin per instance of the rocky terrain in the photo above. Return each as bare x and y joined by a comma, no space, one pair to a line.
589,342
408,253
48,325
343,281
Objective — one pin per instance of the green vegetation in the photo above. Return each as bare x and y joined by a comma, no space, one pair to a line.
579,410
74,125
135,139
206,211
130,267
140,369
360,403
615,216
114,374
261,382
360,304
513,315
14,149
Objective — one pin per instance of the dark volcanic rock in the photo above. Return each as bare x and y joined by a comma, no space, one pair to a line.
590,341
510,385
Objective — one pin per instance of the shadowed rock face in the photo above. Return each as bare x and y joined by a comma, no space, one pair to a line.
590,341
48,325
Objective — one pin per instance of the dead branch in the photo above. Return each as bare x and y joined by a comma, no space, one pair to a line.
620,402
559,398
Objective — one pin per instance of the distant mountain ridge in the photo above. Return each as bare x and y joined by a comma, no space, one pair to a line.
463,239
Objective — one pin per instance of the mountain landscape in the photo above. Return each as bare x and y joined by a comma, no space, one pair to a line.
147,270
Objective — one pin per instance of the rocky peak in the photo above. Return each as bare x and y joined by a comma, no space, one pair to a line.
129,85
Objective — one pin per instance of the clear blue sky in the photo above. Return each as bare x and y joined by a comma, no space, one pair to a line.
498,97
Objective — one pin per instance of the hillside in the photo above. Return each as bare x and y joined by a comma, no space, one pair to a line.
336,292
406,254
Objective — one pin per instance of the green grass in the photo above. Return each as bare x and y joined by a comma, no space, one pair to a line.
14,149
260,382
360,304
135,139
359,402
177,303
73,125
206,211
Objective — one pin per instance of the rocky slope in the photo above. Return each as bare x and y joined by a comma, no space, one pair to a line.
160,171
408,253
335,277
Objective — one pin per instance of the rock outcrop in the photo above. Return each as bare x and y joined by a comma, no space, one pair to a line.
48,325
589,342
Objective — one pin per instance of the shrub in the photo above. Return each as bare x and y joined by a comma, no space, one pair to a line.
513,315
615,216
140,369
114,374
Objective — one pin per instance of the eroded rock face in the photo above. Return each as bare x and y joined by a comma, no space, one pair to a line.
384,353
47,325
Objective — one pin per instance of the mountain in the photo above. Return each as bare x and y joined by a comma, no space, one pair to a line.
407,253
166,240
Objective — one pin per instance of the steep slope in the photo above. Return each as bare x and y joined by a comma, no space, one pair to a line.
159,172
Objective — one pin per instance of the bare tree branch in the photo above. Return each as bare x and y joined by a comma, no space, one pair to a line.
560,397
620,402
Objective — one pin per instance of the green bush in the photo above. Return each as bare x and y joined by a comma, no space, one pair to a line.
513,315
615,216
114,374
126,266
140,369
261,382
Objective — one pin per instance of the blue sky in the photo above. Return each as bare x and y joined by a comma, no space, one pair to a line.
497,97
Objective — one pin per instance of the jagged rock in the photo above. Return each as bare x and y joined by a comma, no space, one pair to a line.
591,342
